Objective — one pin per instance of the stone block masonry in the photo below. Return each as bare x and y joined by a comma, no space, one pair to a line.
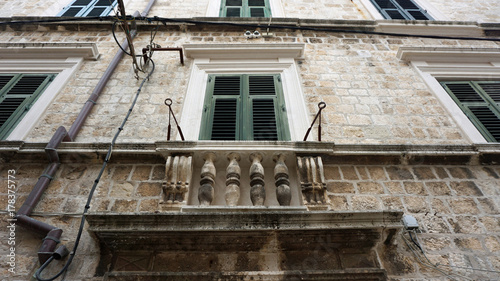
457,209
372,97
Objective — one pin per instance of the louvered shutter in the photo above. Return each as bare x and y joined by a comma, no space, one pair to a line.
17,94
401,9
480,101
244,107
226,101
245,8
100,8
76,8
88,8
262,92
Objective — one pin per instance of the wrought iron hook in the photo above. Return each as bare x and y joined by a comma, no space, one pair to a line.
168,102
321,106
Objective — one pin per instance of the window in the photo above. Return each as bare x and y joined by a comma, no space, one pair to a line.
244,107
18,92
401,9
245,8
476,73
480,101
88,8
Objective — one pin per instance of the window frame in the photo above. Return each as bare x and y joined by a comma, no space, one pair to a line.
486,101
86,9
404,12
423,4
63,59
258,58
29,99
435,64
244,125
245,10
275,8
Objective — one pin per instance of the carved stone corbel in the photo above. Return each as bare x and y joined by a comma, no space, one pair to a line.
282,181
178,174
312,180
257,190
233,174
208,172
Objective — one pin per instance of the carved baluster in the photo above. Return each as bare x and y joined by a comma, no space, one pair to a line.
257,190
178,170
312,181
281,177
208,172
233,173
184,179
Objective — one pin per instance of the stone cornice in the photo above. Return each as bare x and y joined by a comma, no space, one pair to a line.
447,54
332,153
47,51
411,27
245,51
231,219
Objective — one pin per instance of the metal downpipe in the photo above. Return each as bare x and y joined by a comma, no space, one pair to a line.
53,234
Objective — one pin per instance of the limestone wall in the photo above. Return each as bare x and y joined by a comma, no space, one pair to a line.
461,10
456,10
372,96
456,206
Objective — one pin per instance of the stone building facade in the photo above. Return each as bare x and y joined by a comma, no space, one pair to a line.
393,143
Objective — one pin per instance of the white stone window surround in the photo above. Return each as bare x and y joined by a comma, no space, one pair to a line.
213,9
63,59
424,4
436,64
244,59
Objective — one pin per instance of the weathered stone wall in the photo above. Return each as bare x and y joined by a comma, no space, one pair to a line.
343,9
456,10
462,10
457,208
372,96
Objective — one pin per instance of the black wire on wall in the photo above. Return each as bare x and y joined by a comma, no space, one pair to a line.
248,25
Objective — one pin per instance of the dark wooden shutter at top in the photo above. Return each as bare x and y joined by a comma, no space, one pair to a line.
244,107
263,108
88,8
17,94
480,101
226,95
401,9
245,8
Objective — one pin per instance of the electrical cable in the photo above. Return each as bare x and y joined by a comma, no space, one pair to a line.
94,186
164,20
432,266
452,266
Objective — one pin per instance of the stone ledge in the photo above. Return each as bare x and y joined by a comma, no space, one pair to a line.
467,154
411,27
348,274
102,223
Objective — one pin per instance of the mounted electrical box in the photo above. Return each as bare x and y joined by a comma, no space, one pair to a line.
409,222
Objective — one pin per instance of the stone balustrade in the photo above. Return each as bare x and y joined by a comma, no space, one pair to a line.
245,179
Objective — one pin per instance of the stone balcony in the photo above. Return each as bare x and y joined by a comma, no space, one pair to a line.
243,174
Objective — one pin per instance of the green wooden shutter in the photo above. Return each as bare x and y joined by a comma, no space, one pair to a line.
88,8
222,108
18,92
245,8
268,115
401,9
244,107
480,101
